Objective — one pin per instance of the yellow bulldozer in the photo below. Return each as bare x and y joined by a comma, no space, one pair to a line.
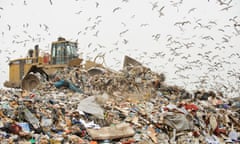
23,71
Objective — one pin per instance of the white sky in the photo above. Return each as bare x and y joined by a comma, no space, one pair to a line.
138,22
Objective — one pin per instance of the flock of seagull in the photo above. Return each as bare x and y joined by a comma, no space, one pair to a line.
201,59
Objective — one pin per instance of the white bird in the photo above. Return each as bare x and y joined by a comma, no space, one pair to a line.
144,25
101,46
225,39
123,32
233,19
208,38
97,4
226,8
224,3
96,34
154,5
182,23
125,41
123,24
89,45
9,27
160,11
212,22
78,12
191,10
116,9
222,30
50,2
156,36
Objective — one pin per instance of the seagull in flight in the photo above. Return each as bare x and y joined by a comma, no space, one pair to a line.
154,5
116,9
9,27
97,4
78,12
182,23
50,2
191,10
123,32
160,11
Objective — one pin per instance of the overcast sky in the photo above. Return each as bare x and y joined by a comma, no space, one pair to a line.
194,42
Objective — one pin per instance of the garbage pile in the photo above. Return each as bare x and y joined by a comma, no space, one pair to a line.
133,105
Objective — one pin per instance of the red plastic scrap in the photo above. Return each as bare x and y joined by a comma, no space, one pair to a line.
15,129
130,141
218,131
190,107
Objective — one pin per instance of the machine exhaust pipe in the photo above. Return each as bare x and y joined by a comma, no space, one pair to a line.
36,49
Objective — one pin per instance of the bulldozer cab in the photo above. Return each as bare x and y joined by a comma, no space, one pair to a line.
63,51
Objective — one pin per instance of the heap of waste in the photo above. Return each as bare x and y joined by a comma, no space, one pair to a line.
133,105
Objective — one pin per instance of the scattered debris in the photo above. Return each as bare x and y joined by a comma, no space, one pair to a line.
134,105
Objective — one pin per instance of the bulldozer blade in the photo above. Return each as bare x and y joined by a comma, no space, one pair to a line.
75,62
128,61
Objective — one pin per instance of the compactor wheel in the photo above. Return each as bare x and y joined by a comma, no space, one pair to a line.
30,82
